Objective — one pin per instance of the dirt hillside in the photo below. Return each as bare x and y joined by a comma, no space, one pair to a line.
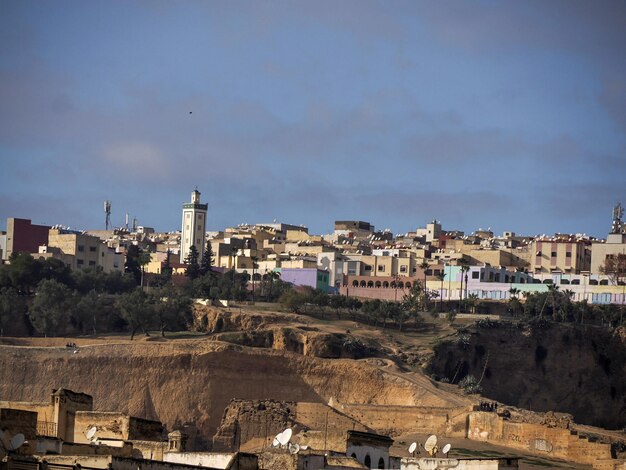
195,379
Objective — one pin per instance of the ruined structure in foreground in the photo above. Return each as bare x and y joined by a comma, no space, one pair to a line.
66,432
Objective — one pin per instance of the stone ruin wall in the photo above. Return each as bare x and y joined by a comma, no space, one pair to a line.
538,439
396,420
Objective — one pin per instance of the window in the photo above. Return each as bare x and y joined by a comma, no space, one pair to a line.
92,263
553,254
381,268
568,254
92,249
402,269
367,267
79,262
475,274
81,248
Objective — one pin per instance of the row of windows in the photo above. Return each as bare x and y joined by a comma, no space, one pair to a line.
568,254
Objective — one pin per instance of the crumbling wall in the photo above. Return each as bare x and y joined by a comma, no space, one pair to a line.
111,425
396,420
536,438
18,421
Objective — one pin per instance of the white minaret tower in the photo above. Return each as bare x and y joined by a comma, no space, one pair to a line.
194,226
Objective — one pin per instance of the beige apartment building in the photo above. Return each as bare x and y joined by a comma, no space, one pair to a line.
560,255
84,248
615,245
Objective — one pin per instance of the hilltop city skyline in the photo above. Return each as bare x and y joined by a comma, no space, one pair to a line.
506,115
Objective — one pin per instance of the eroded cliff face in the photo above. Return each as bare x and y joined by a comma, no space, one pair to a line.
571,369
194,380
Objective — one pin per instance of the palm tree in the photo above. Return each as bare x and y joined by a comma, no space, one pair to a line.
423,266
472,299
233,253
514,292
441,276
464,269
254,266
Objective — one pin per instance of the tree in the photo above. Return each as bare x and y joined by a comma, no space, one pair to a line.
472,300
464,270
88,279
52,268
86,312
233,253
143,259
52,308
193,268
441,276
254,266
173,310
414,302
10,307
136,308
424,267
132,265
24,272
614,268
207,260
166,270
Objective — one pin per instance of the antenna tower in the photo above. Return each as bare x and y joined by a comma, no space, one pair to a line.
107,212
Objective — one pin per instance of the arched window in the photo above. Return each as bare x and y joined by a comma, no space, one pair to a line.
401,285
355,283
381,463
368,461
370,284
408,285
386,285
378,284
363,284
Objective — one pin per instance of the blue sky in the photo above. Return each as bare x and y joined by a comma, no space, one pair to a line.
507,114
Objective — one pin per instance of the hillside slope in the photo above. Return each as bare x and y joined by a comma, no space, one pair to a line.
180,380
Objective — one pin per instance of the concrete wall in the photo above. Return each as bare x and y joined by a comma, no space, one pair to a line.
535,438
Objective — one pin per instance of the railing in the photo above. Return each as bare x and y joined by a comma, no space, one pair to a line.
46,428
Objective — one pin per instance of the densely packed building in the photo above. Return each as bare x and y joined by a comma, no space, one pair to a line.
355,259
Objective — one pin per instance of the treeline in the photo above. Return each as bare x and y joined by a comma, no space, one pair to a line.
557,305
52,300
410,308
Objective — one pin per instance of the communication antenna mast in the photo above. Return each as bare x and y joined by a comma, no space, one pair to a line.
107,212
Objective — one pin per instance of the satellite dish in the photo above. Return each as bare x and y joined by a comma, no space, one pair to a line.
412,447
284,436
275,442
304,447
17,441
430,443
294,448
446,449
91,432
